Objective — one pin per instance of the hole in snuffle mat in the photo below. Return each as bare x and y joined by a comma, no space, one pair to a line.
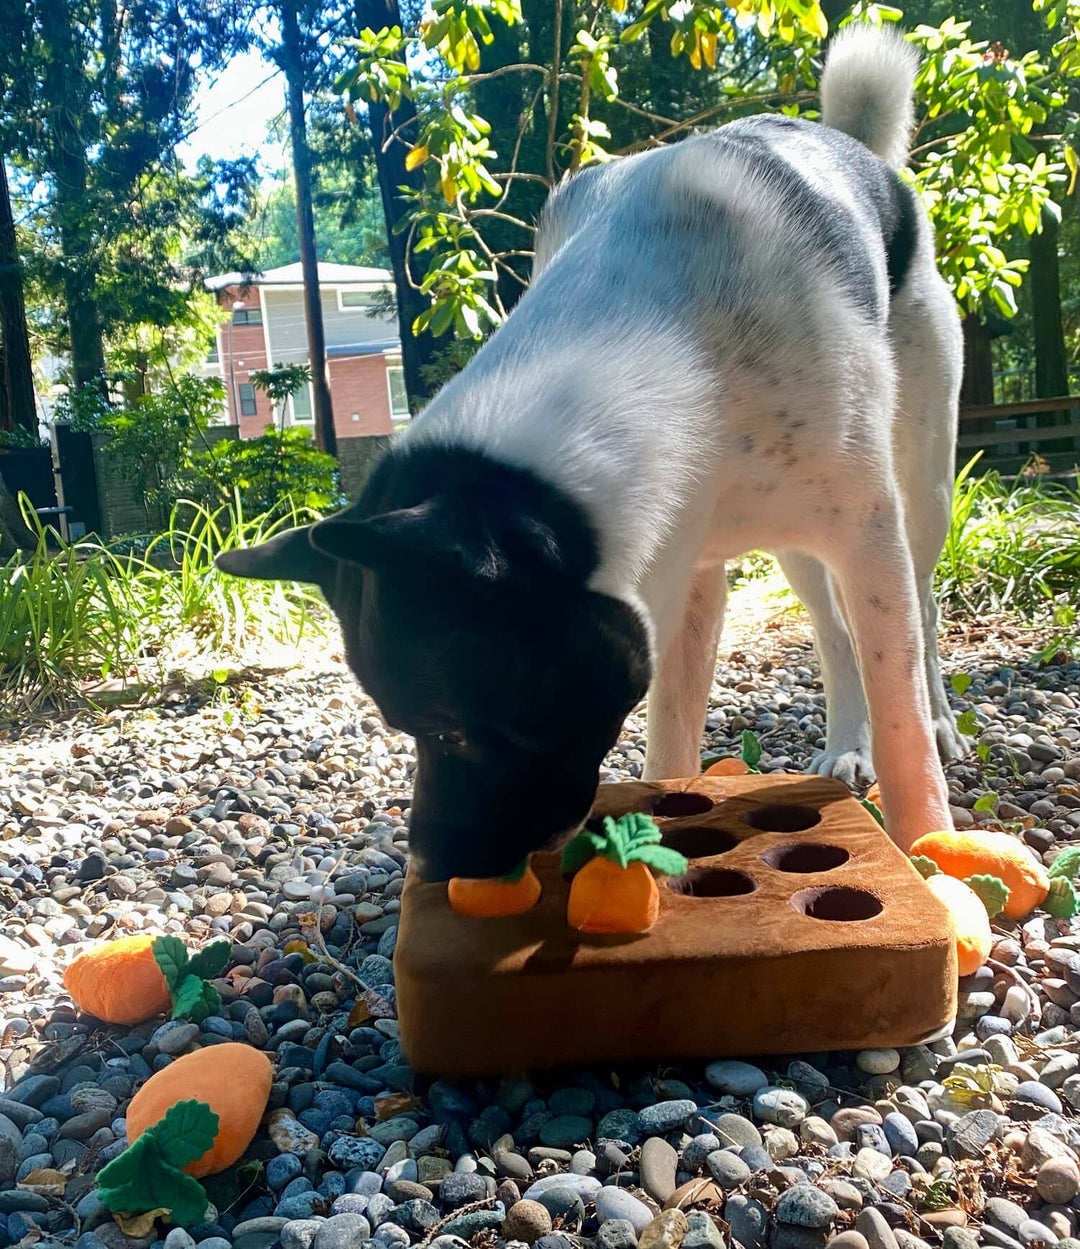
807,856
698,841
712,882
674,806
782,818
840,904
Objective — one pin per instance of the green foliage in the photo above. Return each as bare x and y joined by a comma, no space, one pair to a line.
278,469
280,383
925,866
750,750
66,617
148,1175
210,961
490,149
874,810
1061,902
960,683
987,802
1067,864
632,838
73,613
984,178
1012,547
992,892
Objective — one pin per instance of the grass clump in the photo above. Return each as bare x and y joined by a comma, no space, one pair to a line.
75,614
1012,547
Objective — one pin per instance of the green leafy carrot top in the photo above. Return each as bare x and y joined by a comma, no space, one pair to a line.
148,1175
632,838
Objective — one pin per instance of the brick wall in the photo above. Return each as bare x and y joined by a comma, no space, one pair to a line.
248,354
119,500
361,396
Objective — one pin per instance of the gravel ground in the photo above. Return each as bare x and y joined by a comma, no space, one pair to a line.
204,818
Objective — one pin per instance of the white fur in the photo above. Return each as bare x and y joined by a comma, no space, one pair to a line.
700,381
866,90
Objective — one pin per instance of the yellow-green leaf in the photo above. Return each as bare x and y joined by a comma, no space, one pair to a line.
417,156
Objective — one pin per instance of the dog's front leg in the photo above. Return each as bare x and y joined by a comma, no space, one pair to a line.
876,580
679,693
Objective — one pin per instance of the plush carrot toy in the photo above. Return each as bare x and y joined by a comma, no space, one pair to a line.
513,894
614,889
193,1118
135,978
966,854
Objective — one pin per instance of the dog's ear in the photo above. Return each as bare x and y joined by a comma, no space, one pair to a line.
288,556
477,542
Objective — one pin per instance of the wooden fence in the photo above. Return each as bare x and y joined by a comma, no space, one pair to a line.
1010,435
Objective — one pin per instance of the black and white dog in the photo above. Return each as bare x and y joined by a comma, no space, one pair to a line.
739,341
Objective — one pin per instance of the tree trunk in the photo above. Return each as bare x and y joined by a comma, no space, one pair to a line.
293,64
13,531
66,156
1044,278
978,385
18,375
418,351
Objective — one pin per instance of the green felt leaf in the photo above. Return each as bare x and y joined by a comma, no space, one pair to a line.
578,851
195,999
186,1132
751,750
1067,864
512,878
991,891
171,956
874,810
662,859
141,1179
1061,902
211,960
926,867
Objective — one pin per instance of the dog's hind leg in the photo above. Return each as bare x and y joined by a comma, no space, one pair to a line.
679,693
847,726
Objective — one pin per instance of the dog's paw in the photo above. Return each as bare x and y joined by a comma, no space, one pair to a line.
851,765
951,743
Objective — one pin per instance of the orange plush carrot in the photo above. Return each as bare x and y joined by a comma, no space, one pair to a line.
232,1079
499,895
613,889
965,854
119,982
728,767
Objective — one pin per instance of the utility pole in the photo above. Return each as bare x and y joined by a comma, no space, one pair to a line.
292,63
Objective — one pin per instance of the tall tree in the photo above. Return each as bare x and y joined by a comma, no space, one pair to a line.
17,378
290,56
102,97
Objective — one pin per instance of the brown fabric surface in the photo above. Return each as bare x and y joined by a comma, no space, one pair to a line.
716,976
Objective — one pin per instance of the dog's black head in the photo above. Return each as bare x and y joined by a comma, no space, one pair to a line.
460,586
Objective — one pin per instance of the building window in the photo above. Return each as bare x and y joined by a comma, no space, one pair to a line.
399,396
353,299
301,406
247,399
213,357
247,316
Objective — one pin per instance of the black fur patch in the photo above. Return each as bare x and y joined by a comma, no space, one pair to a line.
461,590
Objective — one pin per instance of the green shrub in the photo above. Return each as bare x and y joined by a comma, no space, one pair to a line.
1012,546
280,468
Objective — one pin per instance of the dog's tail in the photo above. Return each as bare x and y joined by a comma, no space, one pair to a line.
866,89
